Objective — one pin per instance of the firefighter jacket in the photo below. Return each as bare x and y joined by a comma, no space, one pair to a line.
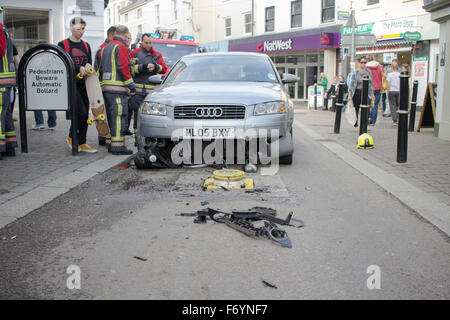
98,54
114,72
139,69
7,69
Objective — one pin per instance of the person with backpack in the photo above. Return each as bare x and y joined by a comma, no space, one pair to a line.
81,54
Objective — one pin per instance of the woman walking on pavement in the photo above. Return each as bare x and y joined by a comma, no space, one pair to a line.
323,81
355,87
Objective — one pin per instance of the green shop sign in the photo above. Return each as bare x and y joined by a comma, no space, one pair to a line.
412,36
362,28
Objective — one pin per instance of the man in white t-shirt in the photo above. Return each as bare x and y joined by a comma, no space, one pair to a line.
393,79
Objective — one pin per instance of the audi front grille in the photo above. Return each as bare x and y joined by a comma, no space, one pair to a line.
209,112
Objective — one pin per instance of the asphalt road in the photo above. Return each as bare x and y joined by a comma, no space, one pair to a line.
102,225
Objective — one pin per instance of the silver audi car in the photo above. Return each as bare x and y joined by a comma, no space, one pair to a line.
207,97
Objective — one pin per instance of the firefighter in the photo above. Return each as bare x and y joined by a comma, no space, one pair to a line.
110,33
147,62
80,52
117,85
8,140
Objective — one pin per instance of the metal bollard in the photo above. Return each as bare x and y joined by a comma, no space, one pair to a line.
338,107
402,136
412,115
315,96
364,116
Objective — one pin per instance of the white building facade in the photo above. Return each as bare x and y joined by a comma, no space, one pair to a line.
147,16
47,21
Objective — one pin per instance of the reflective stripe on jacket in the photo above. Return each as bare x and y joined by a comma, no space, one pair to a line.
140,70
7,69
114,69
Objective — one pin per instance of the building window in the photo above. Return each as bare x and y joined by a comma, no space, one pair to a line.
296,14
328,10
109,16
372,2
227,27
84,5
270,19
247,22
139,29
117,13
174,7
139,13
158,19
126,17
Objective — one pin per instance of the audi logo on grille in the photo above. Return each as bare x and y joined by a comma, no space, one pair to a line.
208,112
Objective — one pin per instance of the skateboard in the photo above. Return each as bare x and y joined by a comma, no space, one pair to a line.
96,103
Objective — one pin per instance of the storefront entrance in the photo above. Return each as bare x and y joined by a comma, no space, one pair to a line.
306,66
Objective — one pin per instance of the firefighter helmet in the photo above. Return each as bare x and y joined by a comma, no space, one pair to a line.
365,141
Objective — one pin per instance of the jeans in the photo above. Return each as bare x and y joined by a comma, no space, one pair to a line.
374,111
383,99
394,97
39,118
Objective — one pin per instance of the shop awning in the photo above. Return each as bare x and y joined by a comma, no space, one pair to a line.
394,45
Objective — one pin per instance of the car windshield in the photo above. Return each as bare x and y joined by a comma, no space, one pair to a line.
202,67
172,52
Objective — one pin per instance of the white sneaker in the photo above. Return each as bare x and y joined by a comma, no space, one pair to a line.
37,127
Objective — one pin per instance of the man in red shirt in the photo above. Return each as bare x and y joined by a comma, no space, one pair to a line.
377,81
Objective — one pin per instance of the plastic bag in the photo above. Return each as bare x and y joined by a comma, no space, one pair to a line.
350,112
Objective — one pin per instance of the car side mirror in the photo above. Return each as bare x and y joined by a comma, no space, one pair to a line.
156,79
288,78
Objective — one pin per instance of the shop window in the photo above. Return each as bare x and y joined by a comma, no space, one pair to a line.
247,22
280,59
296,14
322,57
28,27
291,59
311,58
228,27
328,10
270,19
281,70
84,5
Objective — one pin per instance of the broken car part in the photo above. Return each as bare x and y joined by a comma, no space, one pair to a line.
277,235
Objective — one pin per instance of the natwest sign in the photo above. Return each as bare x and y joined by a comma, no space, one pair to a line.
274,45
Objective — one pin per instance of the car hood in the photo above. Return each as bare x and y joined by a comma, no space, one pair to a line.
223,92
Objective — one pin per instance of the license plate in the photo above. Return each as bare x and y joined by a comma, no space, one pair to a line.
207,133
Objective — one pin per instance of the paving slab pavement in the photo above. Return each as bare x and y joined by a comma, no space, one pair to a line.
48,170
422,183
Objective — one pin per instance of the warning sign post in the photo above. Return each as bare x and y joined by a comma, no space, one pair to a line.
47,82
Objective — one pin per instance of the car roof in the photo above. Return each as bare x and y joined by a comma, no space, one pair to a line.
232,53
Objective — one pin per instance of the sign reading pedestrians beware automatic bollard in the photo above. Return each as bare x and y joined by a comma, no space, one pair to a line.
46,79
46,82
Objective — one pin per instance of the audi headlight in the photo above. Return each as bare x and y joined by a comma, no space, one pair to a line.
153,108
270,108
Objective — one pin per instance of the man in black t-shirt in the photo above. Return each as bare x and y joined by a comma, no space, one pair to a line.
80,52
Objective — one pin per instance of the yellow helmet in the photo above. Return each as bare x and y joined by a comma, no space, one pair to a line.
365,141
